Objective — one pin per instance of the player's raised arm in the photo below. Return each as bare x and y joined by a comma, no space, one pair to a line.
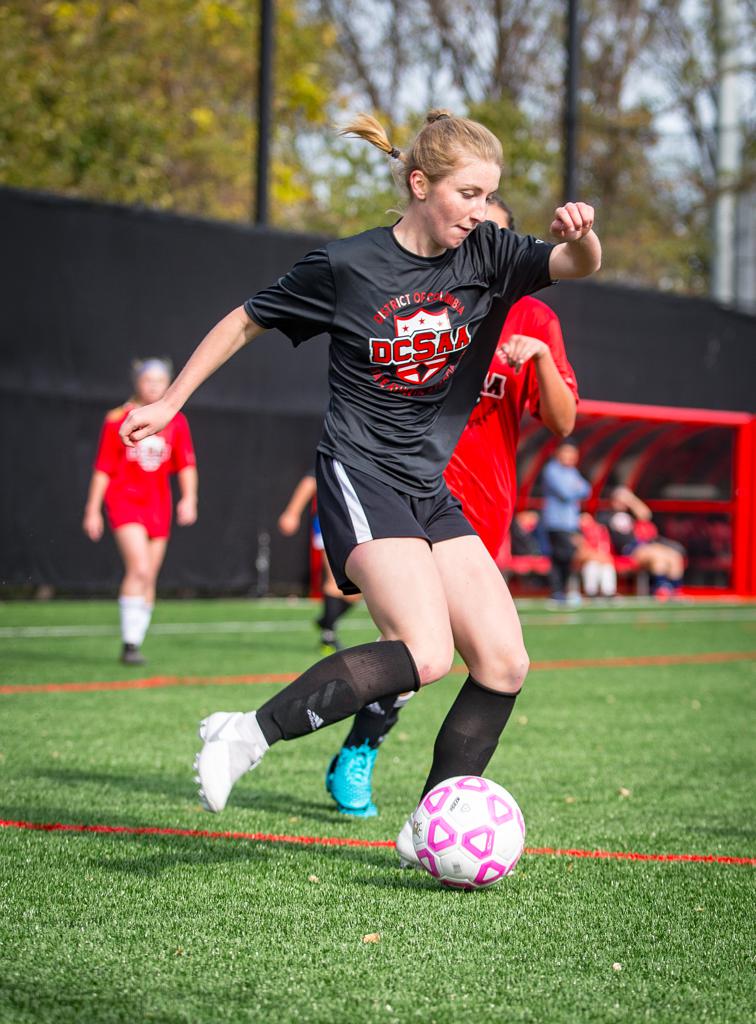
230,334
580,252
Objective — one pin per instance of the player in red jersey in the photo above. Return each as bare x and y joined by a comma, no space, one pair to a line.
529,370
134,485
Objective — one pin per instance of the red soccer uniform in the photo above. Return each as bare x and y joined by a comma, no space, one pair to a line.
482,471
139,491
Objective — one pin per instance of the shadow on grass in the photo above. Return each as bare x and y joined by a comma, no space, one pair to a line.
724,832
265,857
151,856
180,789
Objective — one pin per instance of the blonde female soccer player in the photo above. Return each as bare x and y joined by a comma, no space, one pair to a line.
404,307
529,370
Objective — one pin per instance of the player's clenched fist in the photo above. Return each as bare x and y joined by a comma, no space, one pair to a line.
144,421
572,221
522,347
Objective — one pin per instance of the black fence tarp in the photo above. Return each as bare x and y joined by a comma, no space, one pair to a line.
87,287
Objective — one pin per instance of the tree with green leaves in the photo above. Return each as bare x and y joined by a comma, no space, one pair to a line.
151,102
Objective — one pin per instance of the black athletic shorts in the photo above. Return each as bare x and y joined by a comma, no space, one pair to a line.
354,507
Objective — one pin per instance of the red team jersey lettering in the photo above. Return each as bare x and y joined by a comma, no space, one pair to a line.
422,344
493,386
150,453
139,491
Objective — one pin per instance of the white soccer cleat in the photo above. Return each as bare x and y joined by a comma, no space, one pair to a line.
405,848
234,744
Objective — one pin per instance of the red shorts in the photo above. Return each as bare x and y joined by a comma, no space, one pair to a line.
155,519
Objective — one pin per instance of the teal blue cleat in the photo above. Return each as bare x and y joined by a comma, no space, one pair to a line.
348,780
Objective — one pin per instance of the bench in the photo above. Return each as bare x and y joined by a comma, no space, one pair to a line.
540,565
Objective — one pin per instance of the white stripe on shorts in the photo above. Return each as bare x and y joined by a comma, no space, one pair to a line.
360,524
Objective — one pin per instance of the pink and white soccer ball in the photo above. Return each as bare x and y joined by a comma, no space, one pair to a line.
468,832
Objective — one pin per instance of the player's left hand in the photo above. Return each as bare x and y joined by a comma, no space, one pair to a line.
572,221
520,348
186,512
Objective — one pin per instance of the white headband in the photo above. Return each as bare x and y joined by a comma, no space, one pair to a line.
148,365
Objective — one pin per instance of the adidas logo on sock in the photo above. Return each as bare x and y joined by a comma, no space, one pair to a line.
315,720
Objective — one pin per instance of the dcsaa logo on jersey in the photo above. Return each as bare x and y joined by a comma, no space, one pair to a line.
150,453
421,346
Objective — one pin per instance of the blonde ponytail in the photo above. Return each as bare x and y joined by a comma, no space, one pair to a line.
440,146
369,128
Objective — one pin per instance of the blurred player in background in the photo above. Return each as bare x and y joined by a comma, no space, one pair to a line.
593,558
134,485
529,370
633,533
563,490
335,604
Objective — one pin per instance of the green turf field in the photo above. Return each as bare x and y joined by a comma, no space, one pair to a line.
645,758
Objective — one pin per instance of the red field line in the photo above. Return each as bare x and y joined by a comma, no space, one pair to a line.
157,682
264,837
151,683
193,833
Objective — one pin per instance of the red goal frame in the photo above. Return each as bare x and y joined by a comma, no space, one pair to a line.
642,435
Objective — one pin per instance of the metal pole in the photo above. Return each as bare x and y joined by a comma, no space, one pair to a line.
264,107
570,184
728,153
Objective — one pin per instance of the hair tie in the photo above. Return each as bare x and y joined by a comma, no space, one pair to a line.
395,154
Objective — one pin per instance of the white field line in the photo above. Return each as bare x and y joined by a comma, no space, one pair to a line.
557,618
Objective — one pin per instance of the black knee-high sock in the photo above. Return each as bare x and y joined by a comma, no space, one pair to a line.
333,609
470,733
337,687
373,723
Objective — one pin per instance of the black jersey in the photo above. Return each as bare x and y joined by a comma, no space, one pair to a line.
409,347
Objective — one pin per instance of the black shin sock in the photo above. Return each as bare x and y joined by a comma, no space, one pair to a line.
470,733
333,609
373,723
337,687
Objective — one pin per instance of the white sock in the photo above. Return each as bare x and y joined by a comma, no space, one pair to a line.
591,573
132,617
144,623
608,580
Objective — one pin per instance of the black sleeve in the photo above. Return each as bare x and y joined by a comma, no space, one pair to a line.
301,303
521,264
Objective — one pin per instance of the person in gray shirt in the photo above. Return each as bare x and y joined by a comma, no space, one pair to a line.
563,490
